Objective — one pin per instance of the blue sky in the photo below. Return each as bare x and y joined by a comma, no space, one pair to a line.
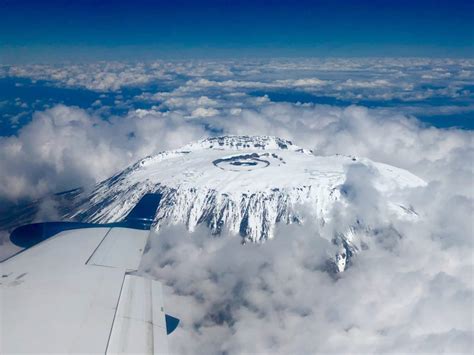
90,30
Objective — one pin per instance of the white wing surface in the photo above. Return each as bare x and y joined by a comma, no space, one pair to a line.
74,293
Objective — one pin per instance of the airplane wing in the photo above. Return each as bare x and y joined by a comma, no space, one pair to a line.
77,292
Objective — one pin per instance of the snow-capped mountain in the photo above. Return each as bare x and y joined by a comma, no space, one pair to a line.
244,185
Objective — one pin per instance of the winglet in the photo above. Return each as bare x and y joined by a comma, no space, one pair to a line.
143,214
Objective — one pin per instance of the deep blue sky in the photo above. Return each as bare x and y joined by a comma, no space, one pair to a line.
89,30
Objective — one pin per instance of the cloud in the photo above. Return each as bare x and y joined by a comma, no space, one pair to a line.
278,298
349,83
65,147
204,112
383,79
409,290
106,76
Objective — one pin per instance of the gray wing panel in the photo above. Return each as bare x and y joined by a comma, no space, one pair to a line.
121,248
139,325
61,296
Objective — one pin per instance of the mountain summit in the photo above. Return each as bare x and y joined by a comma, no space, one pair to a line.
240,184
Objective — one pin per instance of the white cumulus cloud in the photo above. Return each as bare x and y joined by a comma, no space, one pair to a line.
409,291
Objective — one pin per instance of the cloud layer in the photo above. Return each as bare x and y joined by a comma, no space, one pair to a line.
411,289
67,147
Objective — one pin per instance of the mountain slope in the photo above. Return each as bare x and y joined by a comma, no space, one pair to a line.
244,185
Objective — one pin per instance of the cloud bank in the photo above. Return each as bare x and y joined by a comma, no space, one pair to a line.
409,291
402,295
67,147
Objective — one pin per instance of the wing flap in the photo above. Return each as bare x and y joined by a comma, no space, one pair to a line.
139,323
